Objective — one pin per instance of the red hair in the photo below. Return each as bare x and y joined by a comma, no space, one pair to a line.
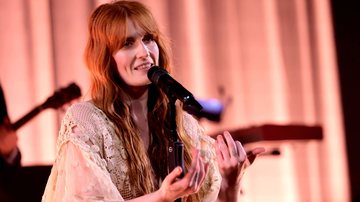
107,32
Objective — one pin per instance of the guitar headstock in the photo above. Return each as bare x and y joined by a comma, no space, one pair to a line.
62,96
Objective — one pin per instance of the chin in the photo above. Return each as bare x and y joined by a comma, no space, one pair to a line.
145,83
142,84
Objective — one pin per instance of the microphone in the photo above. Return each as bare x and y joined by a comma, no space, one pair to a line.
162,79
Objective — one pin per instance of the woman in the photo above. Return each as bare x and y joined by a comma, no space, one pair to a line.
113,147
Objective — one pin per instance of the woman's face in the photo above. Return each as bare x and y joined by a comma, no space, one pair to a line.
138,54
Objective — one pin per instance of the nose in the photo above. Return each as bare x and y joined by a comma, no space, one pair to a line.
143,50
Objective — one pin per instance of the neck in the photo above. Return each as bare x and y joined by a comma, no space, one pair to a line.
137,93
141,99
138,109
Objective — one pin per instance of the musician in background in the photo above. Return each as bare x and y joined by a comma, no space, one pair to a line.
9,153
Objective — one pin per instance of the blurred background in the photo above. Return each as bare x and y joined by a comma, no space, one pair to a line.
268,62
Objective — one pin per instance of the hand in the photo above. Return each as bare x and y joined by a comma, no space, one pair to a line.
173,188
8,139
232,161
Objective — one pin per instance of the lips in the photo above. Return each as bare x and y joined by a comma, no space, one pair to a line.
144,66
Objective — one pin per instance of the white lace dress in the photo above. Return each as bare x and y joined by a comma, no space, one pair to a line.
91,164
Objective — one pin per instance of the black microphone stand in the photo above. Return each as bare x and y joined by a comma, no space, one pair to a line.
176,147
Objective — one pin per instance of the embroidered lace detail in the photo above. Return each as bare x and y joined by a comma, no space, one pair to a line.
89,129
198,138
99,139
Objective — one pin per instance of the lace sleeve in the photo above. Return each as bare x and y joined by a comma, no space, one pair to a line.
75,176
79,173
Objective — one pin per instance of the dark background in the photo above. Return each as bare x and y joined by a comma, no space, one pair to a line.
346,17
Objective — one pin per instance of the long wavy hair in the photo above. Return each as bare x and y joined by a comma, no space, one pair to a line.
107,32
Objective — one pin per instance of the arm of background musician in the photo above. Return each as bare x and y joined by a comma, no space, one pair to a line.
10,154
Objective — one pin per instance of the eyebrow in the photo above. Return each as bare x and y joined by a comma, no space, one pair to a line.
130,38
135,35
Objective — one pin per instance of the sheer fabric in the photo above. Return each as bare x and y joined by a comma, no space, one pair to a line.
91,161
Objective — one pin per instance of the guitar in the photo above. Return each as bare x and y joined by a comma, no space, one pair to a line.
58,99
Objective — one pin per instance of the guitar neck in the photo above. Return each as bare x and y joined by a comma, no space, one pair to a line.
27,117
58,99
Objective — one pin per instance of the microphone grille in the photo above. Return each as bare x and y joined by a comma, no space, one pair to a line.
155,73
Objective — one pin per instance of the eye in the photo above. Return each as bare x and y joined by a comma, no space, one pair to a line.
148,38
128,43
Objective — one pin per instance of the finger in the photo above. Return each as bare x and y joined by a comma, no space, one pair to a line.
194,169
204,171
231,144
219,156
171,177
254,153
200,175
193,182
241,151
258,150
223,148
187,182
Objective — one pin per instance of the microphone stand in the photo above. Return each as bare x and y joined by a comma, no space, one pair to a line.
176,147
